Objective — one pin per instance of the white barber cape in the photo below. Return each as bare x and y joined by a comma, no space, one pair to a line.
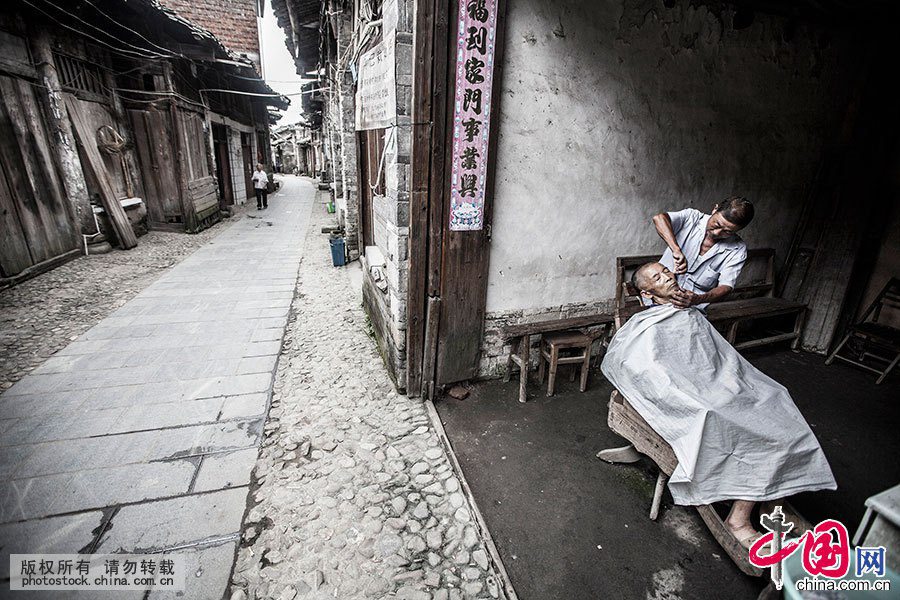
736,432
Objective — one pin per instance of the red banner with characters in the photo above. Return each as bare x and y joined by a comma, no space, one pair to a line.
472,112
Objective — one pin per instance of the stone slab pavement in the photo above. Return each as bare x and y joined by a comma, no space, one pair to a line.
140,435
354,495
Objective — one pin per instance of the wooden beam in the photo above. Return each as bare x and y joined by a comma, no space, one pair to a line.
69,162
520,329
95,166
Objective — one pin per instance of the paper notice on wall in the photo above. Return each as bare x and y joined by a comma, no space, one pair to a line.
376,91
389,16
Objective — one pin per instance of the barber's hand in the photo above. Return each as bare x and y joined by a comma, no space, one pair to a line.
680,262
684,299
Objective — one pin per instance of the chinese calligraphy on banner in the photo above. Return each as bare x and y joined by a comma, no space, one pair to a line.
472,112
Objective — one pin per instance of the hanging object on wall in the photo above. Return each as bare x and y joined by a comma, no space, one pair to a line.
472,112
376,90
110,141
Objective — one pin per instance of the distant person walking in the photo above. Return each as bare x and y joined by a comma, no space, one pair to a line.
260,184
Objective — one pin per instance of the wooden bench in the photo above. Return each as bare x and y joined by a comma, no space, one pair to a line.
519,337
753,298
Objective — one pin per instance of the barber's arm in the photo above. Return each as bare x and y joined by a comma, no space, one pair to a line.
684,298
727,279
663,224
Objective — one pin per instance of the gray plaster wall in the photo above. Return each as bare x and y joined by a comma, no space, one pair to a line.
609,115
612,111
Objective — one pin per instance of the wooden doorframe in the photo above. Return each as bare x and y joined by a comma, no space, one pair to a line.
443,263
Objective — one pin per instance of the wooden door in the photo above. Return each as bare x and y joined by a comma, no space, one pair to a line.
14,254
448,270
37,219
200,193
153,142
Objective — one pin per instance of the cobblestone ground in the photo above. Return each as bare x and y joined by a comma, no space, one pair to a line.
356,496
43,314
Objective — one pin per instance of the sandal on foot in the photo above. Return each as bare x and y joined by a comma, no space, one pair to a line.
747,540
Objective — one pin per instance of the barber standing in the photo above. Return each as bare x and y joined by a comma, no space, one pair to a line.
705,252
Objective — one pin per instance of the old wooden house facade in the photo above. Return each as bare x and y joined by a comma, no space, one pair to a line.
525,146
110,105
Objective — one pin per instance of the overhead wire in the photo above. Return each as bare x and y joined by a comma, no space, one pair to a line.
130,53
138,49
96,8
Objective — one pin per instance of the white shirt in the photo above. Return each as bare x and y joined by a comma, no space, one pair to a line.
721,264
260,180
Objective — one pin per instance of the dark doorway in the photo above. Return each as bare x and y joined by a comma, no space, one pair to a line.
247,153
223,164
370,147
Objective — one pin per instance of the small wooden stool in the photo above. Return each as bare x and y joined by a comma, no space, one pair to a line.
553,343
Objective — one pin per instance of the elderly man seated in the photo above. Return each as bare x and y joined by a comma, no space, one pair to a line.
737,433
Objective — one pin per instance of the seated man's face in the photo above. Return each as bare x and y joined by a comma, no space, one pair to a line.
656,282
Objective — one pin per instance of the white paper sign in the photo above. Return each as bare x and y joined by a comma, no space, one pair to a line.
376,90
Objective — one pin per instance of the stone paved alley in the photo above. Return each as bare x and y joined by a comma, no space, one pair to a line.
141,435
42,315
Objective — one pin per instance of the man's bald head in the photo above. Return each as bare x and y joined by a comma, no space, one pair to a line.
655,281
641,277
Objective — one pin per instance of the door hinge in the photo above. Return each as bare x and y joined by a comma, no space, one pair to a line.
487,231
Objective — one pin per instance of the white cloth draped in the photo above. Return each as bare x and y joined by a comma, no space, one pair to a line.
736,432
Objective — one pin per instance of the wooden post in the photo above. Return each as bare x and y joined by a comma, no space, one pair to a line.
525,354
70,162
433,313
423,43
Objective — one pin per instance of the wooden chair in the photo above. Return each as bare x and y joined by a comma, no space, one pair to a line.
624,420
872,332
556,349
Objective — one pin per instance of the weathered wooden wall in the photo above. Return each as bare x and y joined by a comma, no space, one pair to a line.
38,223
